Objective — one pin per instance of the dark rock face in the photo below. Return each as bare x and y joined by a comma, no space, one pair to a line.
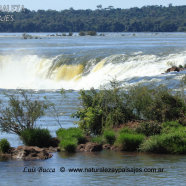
81,148
116,148
174,69
89,147
106,146
30,153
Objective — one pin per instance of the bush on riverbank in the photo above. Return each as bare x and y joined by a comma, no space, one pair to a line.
70,138
110,107
4,146
36,137
21,113
68,144
149,128
109,136
130,142
155,103
170,126
98,139
71,133
89,33
101,109
173,142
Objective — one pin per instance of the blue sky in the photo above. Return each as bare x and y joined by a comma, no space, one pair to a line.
87,4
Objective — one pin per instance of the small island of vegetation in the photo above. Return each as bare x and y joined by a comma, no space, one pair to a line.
143,119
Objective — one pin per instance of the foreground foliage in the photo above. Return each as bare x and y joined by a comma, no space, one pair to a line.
4,146
36,137
110,136
173,142
130,142
69,138
21,113
108,108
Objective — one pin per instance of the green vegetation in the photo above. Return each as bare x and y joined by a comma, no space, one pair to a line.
69,144
36,137
145,118
155,103
170,126
97,139
149,128
113,106
89,33
106,108
69,138
76,133
158,112
109,136
28,36
130,142
173,142
4,146
145,19
21,113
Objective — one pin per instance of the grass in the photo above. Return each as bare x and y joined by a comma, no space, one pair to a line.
97,139
109,136
76,133
70,138
69,145
130,142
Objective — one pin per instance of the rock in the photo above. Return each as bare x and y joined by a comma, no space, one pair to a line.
81,148
92,147
106,146
30,153
116,148
174,69
89,147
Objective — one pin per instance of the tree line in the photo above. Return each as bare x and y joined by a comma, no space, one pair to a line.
145,19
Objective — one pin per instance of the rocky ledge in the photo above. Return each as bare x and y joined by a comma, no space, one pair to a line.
30,153
94,147
175,69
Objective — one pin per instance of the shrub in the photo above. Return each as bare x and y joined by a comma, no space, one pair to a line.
101,109
169,126
155,103
149,128
36,137
112,106
68,144
91,33
97,139
109,136
22,113
82,33
130,142
4,146
173,142
126,130
70,133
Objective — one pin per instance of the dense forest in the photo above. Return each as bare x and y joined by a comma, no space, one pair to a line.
145,19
